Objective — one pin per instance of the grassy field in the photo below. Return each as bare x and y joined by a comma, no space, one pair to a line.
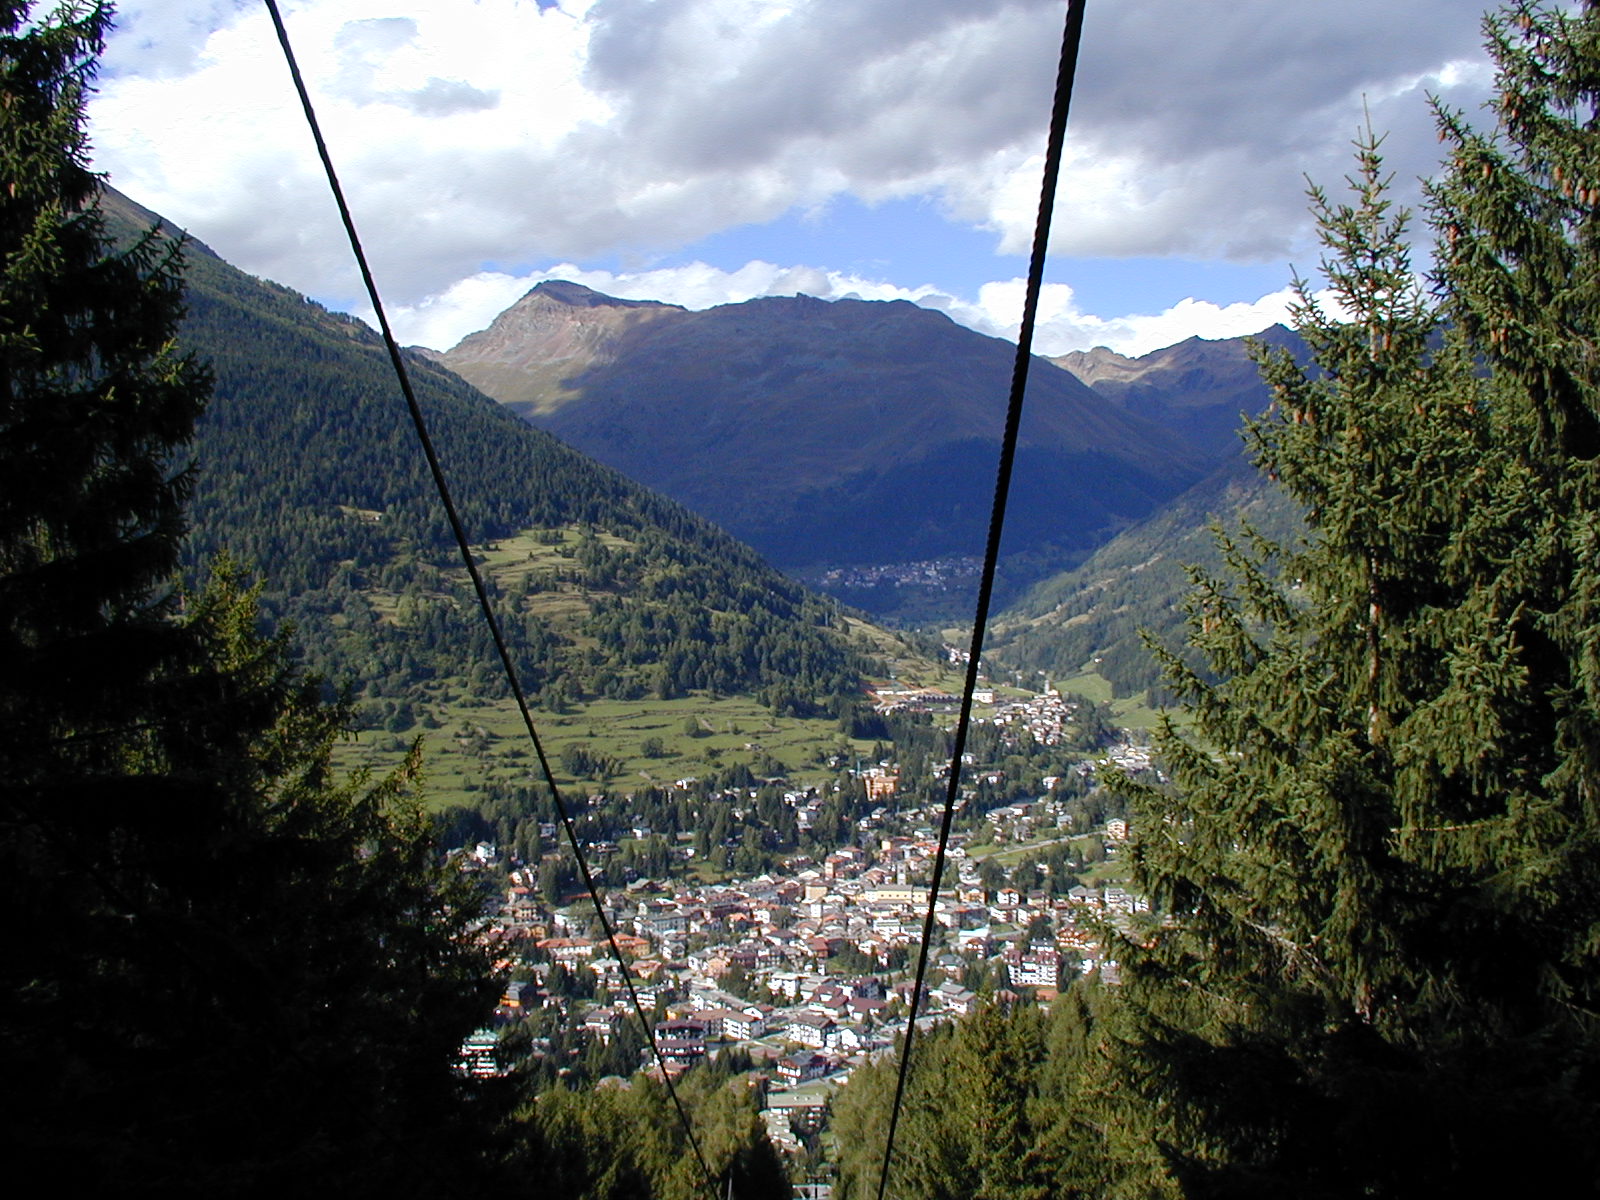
1131,711
1107,871
476,744
647,741
1011,853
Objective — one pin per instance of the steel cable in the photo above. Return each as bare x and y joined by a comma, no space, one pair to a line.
1066,71
397,360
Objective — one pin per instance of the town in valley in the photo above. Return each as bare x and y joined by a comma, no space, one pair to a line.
795,975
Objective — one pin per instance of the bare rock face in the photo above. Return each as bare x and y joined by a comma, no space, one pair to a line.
556,331
1101,365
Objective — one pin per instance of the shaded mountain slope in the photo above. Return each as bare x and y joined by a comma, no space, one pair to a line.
1091,617
841,432
1198,388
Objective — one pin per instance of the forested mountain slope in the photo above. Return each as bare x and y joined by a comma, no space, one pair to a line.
1092,616
310,473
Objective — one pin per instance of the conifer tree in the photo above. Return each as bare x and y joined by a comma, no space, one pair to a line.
221,972
95,405
1378,859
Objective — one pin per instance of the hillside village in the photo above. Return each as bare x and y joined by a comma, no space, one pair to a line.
805,972
940,574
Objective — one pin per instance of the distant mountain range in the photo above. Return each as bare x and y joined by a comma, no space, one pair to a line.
829,433
1093,615
1198,389
842,432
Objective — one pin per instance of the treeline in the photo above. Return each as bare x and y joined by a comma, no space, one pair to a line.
616,1142
226,970
999,1105
736,833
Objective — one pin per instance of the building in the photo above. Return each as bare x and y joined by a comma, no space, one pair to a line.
682,1043
797,1068
810,1029
477,1058
1037,966
806,1112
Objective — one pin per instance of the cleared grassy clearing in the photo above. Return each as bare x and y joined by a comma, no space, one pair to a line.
1133,712
476,744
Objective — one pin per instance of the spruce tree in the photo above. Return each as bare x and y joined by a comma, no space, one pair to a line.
94,404
223,971
1377,863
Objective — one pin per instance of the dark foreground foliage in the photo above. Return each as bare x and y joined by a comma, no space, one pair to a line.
225,972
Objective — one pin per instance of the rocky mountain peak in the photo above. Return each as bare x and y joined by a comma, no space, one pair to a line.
825,431
575,295
1100,363
1200,387
553,332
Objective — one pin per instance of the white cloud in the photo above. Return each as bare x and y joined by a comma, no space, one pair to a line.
473,303
1062,326
501,135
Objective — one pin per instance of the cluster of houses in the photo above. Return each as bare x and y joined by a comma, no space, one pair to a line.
917,699
706,953
806,970
1132,757
935,573
1046,716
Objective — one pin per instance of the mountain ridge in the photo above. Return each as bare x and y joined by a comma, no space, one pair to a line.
846,431
523,354
1200,387
1094,615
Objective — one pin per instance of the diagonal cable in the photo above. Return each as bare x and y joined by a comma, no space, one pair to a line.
464,545
1066,72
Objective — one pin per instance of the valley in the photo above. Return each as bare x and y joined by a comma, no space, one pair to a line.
754,767
654,647
1267,864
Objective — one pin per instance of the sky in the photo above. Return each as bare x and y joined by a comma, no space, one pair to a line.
704,152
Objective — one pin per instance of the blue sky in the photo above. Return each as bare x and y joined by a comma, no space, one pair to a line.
708,151
897,239
911,242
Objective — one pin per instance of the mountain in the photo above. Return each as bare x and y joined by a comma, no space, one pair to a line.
309,470
1198,388
844,432
1091,617
553,332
